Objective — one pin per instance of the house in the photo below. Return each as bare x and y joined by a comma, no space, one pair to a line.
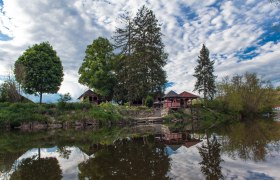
172,100
276,108
186,99
91,97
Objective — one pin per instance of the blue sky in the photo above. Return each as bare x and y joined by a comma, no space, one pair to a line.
241,35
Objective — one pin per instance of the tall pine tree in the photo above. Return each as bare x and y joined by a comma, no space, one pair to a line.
142,56
122,42
205,82
149,53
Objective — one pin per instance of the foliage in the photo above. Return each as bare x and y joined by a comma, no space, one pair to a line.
15,113
205,79
62,101
214,118
149,101
40,71
245,94
277,96
97,68
140,68
8,92
105,112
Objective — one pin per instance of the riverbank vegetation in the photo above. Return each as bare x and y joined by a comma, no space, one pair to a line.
246,95
15,114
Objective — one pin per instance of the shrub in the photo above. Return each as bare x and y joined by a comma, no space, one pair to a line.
149,101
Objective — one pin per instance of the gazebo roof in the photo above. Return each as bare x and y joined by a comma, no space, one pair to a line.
88,93
186,94
171,94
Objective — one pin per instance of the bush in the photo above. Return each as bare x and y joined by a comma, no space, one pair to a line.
149,101
63,100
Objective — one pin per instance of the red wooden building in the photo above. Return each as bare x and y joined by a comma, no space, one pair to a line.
172,100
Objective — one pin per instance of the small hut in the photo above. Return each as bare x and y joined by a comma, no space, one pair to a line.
91,96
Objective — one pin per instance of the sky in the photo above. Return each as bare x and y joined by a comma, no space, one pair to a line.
242,36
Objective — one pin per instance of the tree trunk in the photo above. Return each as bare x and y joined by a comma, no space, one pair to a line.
41,97
39,153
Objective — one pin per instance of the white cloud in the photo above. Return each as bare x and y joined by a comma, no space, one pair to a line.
227,28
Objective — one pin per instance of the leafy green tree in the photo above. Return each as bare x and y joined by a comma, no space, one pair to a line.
205,79
246,94
41,70
97,68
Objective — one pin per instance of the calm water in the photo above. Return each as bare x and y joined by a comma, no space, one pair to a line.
239,151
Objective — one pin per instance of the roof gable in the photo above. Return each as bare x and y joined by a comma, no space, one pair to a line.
88,93
171,94
186,94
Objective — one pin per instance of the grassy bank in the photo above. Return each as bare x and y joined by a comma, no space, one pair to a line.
14,114
206,118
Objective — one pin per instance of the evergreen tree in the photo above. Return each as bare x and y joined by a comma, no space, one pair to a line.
123,36
149,54
143,56
122,41
204,74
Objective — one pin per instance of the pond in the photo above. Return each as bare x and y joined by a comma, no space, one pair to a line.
239,151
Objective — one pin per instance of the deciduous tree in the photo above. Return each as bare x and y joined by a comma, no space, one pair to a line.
97,68
40,70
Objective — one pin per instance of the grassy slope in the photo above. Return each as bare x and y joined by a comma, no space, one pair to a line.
16,113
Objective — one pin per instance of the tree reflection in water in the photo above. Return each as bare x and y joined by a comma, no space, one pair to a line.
251,140
38,168
135,159
211,159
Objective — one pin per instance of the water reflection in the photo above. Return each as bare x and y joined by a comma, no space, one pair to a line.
211,159
251,140
248,151
37,168
135,159
47,163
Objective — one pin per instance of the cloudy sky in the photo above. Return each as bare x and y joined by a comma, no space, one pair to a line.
241,35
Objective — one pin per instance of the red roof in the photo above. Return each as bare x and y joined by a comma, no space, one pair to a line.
188,95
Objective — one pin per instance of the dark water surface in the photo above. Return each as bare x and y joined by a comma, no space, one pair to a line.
240,151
